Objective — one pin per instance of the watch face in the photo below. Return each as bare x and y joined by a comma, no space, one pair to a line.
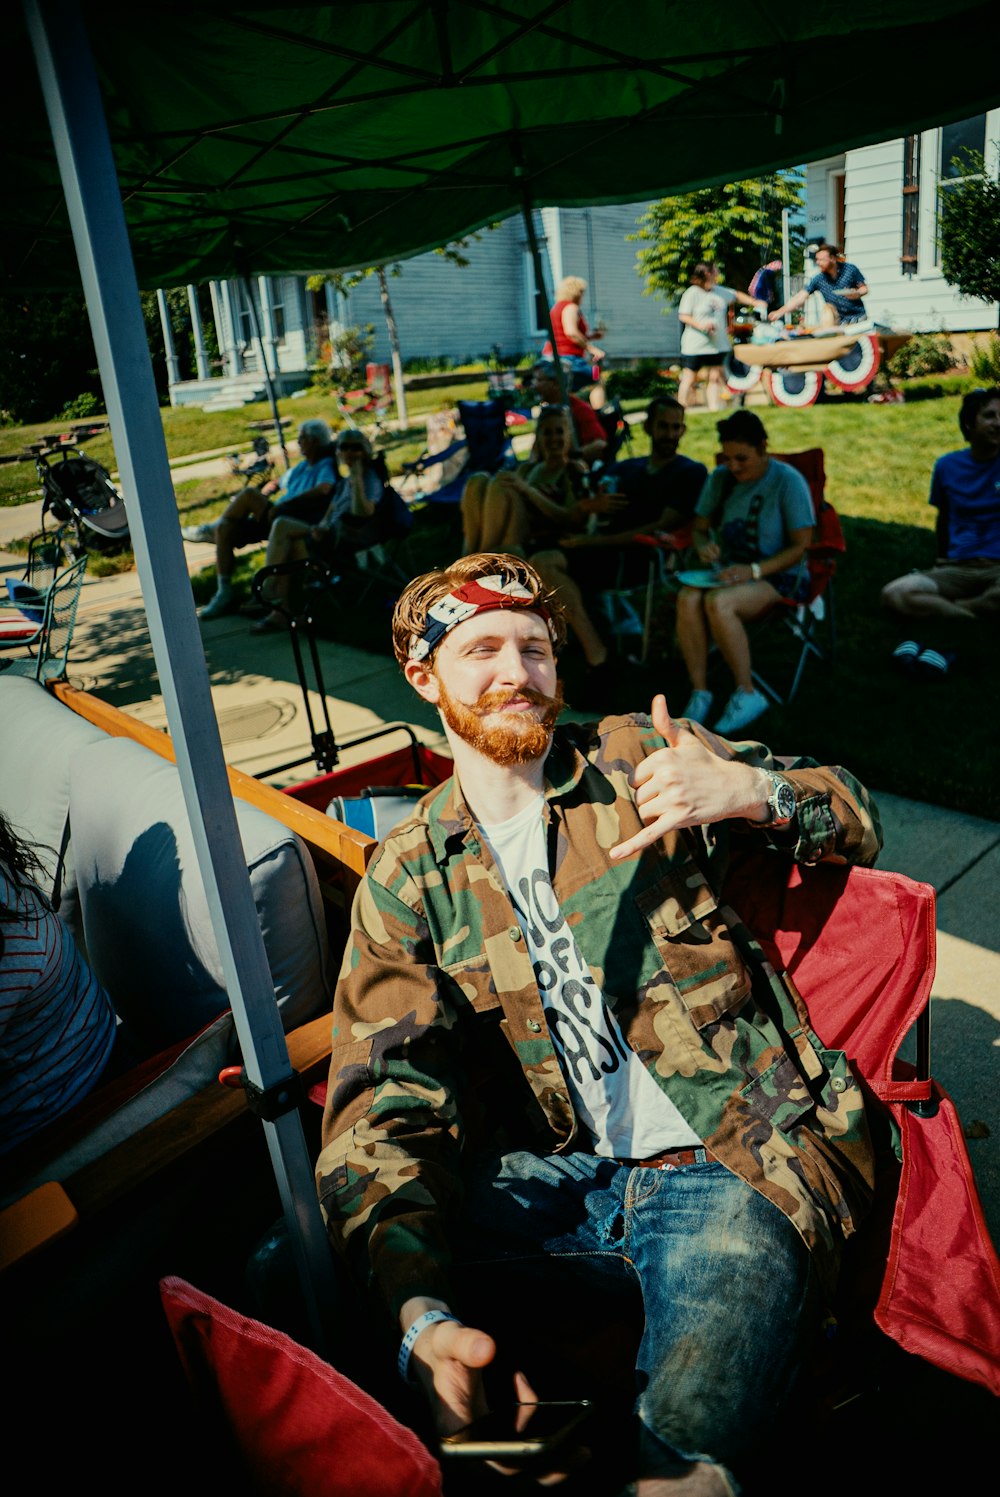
784,801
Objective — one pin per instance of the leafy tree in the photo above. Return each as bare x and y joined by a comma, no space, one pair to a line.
49,359
737,225
969,229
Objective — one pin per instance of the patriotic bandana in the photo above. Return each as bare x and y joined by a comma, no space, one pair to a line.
481,596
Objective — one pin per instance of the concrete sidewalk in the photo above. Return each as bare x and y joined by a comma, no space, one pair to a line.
263,723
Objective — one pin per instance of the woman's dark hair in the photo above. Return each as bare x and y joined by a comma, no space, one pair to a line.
742,426
701,272
18,857
20,861
971,406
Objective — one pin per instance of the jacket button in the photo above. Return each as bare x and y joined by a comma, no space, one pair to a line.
535,1028
515,932
839,1084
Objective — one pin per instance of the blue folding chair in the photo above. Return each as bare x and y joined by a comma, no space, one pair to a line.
487,448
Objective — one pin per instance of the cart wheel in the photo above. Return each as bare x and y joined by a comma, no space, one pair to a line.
740,377
858,366
794,387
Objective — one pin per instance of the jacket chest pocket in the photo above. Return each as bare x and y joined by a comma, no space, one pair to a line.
695,944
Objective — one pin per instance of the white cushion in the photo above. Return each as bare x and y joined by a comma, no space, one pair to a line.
39,740
145,916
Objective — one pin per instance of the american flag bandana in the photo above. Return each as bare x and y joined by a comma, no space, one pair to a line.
480,596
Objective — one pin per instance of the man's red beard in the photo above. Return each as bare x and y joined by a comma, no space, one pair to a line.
519,739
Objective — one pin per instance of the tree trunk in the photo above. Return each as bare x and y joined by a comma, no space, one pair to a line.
397,363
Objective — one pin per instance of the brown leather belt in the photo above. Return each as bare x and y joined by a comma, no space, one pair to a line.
672,1159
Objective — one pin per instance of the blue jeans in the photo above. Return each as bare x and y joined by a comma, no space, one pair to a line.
726,1285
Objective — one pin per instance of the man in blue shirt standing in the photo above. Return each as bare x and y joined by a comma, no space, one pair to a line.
839,283
964,582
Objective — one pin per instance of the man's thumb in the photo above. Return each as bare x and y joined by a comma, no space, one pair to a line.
664,723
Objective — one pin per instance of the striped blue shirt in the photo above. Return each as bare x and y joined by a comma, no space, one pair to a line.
57,1025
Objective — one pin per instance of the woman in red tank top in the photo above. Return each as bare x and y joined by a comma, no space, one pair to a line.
572,334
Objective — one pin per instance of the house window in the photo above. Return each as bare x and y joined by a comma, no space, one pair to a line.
911,203
957,141
535,302
244,318
278,308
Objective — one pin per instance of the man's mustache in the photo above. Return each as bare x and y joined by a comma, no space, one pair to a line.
495,701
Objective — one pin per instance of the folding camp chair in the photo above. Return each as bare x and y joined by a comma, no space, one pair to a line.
858,944
811,622
41,613
487,449
629,606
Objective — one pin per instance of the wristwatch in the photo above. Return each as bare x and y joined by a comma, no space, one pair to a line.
781,800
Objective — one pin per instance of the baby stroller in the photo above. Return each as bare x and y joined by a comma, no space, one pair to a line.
79,494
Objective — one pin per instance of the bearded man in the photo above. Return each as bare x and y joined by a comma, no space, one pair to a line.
561,1069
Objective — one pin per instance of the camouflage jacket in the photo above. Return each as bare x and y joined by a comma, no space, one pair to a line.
440,1043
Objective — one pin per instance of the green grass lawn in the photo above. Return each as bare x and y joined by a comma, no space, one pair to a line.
189,429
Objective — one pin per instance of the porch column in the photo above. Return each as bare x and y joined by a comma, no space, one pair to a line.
267,317
173,368
232,352
201,357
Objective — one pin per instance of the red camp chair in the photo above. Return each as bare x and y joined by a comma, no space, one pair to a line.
859,946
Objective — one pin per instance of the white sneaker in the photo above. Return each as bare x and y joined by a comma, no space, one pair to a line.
221,603
743,708
204,532
698,707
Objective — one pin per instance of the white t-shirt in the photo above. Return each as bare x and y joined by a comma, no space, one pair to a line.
613,1095
706,305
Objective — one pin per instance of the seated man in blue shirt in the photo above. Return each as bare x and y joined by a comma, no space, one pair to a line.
964,582
839,283
305,494
351,523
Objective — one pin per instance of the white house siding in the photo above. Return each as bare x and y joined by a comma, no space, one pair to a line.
461,312
923,301
594,246
442,309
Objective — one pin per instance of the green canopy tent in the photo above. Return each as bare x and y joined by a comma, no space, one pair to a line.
284,138
211,140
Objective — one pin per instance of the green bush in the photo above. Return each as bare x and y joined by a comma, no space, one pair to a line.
926,353
985,361
641,382
79,409
428,364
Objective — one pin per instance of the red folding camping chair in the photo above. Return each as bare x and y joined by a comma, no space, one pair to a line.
858,944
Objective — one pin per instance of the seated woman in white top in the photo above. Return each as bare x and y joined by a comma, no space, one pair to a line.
753,523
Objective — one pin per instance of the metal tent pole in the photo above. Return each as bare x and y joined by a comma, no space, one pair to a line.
272,393
527,213
86,166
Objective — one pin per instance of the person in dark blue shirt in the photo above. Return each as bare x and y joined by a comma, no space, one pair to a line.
964,582
839,283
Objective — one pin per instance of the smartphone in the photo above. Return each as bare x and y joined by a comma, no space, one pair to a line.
518,1432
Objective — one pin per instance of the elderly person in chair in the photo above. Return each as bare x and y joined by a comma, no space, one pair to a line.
304,495
349,525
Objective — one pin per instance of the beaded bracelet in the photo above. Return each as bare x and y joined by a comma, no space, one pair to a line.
429,1317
